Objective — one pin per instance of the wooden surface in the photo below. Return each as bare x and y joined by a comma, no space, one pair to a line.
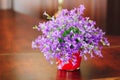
19,62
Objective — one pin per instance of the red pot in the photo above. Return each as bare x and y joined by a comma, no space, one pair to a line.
69,66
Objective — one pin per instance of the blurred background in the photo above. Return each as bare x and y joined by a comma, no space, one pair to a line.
18,61
105,12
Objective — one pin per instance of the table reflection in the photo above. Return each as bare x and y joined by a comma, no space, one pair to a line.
68,75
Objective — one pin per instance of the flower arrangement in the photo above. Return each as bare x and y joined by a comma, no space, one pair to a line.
68,33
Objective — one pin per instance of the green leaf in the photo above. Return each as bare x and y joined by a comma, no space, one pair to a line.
66,33
60,40
74,29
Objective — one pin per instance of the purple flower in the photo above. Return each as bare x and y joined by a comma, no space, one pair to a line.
69,33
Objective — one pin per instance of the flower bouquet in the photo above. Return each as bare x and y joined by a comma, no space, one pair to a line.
68,37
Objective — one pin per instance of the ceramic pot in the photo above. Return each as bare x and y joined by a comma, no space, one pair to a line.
69,66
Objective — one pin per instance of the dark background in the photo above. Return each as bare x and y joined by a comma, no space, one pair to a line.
113,17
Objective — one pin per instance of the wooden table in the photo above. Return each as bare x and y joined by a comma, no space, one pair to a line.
19,62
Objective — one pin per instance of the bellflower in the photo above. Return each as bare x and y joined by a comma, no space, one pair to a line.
70,32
